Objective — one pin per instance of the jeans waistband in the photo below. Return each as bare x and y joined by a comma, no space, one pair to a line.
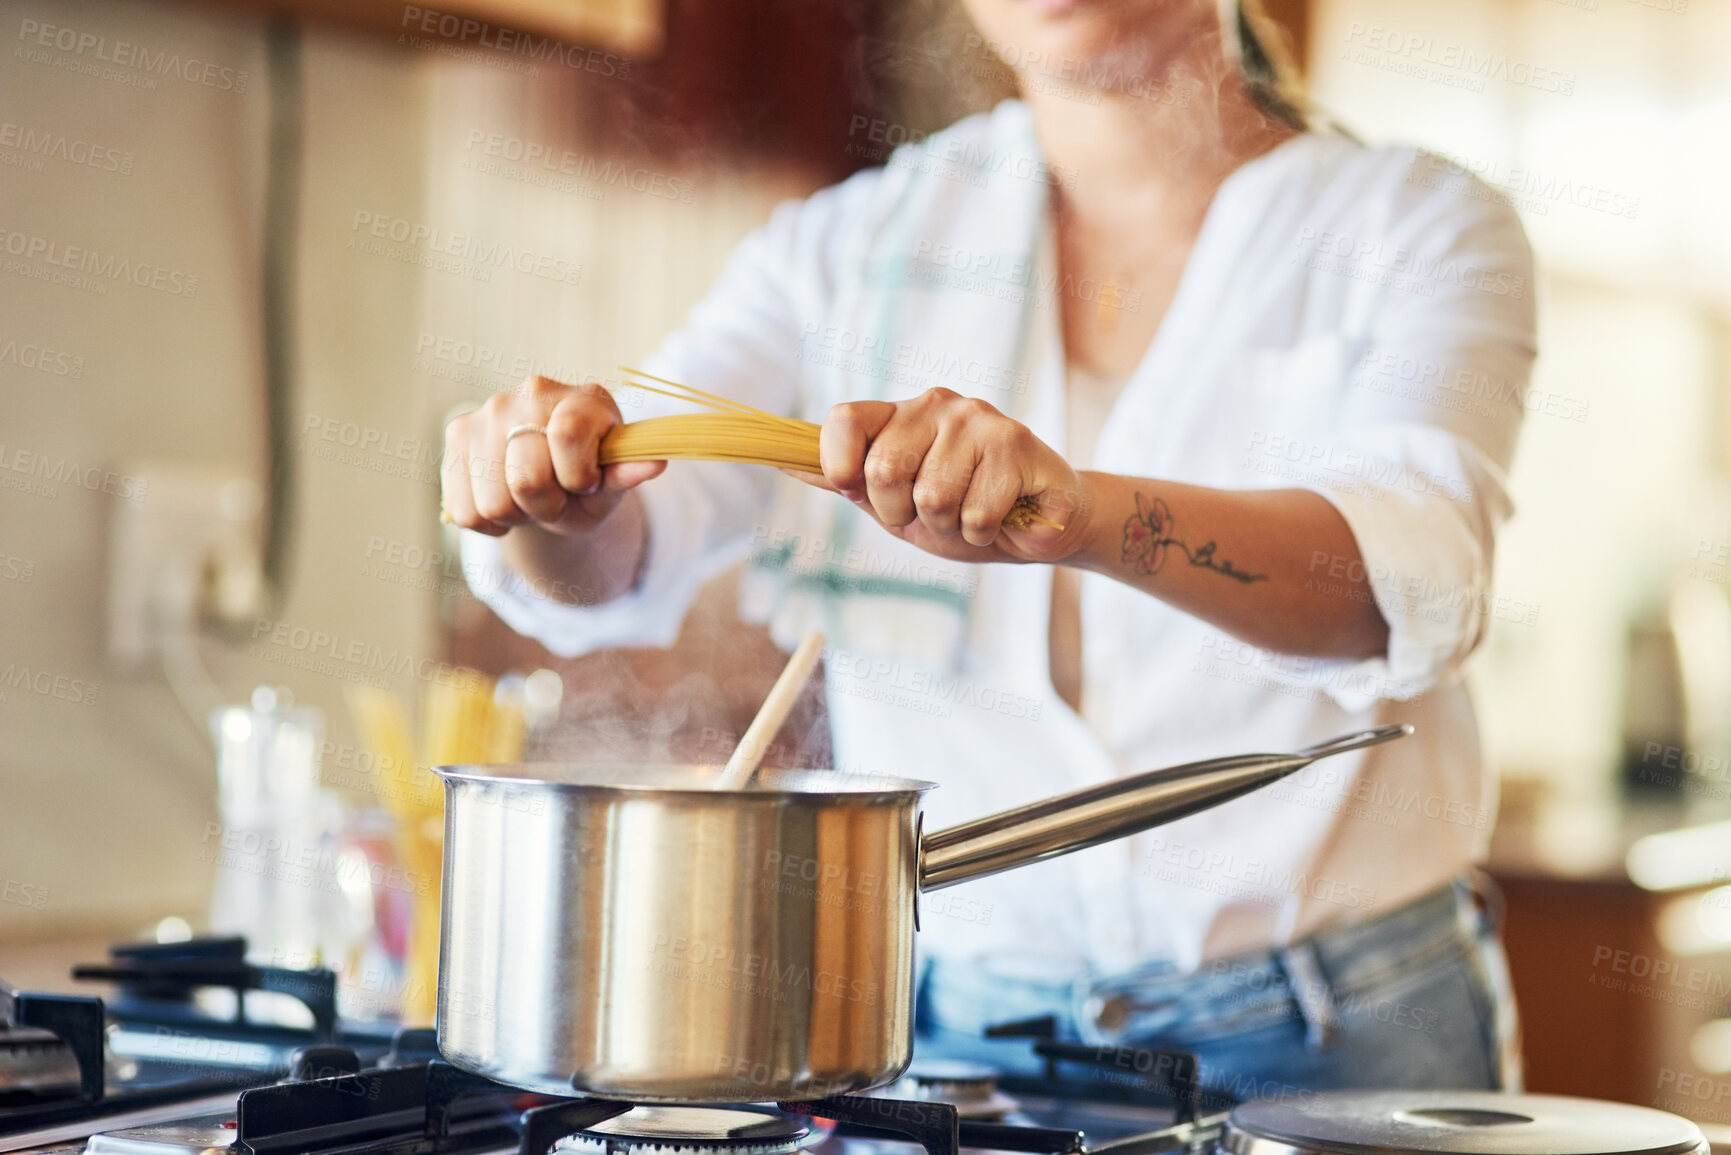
1304,977
1358,953
1337,960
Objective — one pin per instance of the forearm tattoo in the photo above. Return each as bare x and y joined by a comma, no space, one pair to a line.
1148,532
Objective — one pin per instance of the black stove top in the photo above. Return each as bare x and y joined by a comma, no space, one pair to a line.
152,1072
75,1080
433,1108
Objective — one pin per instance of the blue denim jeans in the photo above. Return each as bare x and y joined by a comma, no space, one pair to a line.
1414,998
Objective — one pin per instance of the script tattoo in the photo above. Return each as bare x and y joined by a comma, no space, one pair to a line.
1148,532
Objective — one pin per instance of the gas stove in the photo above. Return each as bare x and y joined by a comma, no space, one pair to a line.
432,1108
436,1109
348,1097
90,1092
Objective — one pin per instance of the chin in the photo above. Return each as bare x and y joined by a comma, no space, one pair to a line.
1058,8
1136,36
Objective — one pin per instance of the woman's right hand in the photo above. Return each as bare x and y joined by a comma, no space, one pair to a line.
555,481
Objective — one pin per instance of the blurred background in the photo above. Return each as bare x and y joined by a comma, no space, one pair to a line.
253,260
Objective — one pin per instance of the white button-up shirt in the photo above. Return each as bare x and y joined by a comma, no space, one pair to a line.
1349,322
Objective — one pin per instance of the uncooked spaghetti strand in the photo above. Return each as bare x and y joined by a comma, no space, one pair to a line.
701,397
680,397
715,401
714,408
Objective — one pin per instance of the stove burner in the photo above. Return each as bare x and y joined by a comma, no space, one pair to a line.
35,1061
690,1129
210,1135
972,1088
74,1020
952,1077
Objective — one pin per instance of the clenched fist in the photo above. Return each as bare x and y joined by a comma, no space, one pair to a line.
943,471
498,474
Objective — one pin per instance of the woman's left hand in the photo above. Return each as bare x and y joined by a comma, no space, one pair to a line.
942,472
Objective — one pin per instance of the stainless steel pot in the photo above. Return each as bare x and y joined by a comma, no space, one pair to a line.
631,932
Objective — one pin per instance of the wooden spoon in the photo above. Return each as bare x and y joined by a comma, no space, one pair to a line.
736,775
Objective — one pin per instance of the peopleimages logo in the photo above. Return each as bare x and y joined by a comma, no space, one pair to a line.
586,170
1011,277
930,691
310,864
446,251
46,144
1446,62
725,966
1367,258
1531,190
320,648
1265,883
48,684
23,894
28,355
464,30
904,362
81,261
955,158
35,35
1661,979
1464,388
43,474
1351,464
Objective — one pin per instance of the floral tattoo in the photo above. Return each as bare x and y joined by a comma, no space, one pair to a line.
1148,532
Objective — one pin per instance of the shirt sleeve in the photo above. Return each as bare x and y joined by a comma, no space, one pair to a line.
1425,433
741,341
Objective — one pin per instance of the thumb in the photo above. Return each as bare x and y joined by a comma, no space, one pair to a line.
625,475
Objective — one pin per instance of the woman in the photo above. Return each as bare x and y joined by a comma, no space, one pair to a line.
1219,350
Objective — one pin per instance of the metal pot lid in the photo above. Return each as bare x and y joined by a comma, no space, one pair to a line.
1455,1123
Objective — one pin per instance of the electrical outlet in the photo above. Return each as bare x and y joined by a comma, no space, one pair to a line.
189,553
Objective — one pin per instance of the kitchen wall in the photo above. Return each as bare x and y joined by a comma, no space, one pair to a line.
106,783
107,780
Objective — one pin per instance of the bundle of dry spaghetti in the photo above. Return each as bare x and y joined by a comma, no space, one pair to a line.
734,431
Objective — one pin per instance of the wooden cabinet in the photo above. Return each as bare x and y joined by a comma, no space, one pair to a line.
1607,1010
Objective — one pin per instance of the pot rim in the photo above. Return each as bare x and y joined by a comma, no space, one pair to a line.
686,779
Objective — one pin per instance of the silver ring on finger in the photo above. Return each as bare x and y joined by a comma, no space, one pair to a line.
519,430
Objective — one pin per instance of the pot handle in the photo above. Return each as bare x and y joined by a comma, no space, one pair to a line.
1112,810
